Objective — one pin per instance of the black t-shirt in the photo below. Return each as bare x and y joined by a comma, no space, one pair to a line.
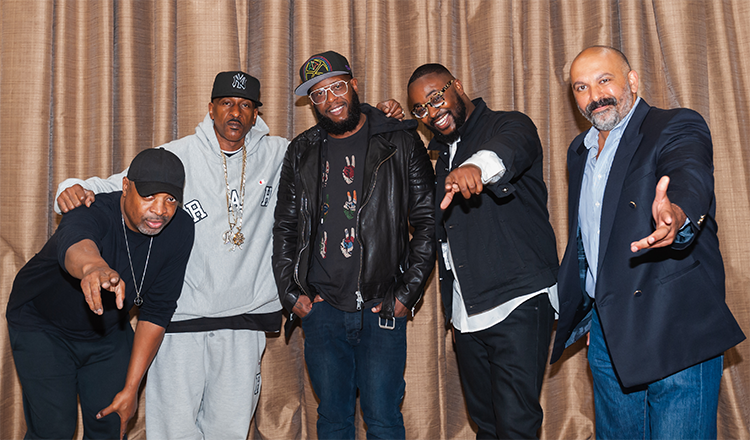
334,271
46,297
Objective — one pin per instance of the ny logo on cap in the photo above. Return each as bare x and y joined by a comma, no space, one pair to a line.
239,81
316,66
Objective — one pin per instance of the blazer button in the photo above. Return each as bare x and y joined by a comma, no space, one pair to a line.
632,204
505,190
637,293
700,220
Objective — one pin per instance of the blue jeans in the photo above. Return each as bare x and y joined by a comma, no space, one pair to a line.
345,351
680,406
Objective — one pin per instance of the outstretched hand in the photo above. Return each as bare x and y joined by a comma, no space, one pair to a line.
668,218
98,278
466,179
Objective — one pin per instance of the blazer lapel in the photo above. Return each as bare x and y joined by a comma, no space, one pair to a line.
629,143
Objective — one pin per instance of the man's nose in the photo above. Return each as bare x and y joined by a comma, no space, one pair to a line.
159,207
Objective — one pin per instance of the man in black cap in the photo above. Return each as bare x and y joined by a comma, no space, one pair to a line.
350,189
205,381
69,338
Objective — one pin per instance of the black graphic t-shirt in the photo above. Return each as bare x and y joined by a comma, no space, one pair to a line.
336,251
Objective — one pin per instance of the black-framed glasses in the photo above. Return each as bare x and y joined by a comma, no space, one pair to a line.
339,88
437,100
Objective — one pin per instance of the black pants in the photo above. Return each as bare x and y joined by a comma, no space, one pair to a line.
55,370
502,368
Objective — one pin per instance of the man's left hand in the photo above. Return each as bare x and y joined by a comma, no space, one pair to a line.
124,404
668,218
391,108
399,309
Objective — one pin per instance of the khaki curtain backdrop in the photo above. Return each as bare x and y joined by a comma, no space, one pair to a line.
85,85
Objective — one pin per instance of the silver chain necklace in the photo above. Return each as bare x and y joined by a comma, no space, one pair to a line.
234,217
138,299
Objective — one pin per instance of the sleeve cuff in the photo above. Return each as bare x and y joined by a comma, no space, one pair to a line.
491,165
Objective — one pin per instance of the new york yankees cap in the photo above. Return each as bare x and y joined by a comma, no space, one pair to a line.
236,84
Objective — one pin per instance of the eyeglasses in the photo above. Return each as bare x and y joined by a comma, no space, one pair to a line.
339,88
437,100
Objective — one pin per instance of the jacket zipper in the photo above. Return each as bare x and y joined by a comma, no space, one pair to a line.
360,300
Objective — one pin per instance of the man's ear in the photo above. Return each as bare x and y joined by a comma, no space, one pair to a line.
125,186
459,87
211,109
353,82
633,81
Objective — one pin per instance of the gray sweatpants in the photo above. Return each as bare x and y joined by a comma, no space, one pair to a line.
204,385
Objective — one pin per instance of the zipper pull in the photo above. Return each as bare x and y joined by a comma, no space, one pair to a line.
360,301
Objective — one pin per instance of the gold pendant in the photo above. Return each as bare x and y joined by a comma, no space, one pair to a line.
226,236
238,239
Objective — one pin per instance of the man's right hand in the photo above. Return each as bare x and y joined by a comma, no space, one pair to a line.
97,278
466,180
304,305
73,197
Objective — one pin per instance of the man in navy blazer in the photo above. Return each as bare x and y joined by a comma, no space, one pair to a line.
642,270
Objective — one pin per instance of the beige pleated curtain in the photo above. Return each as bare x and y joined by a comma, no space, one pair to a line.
85,85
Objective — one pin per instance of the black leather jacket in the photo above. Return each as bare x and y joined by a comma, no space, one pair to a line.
399,192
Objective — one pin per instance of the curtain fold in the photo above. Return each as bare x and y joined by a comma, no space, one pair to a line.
85,85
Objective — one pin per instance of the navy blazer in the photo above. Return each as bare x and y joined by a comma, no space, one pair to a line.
661,310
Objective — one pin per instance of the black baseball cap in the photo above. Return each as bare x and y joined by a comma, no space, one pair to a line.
157,170
319,67
236,84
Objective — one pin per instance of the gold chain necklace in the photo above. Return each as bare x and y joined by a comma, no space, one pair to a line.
234,217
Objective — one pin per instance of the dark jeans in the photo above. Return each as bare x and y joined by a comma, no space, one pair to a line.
682,405
345,351
502,368
54,371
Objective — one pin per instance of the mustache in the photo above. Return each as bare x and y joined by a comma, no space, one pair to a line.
235,120
151,218
600,103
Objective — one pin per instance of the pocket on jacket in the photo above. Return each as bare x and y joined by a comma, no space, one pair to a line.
679,273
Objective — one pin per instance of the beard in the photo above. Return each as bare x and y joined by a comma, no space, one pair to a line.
608,120
345,126
459,117
144,229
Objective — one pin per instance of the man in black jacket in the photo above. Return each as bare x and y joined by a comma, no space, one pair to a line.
351,186
497,240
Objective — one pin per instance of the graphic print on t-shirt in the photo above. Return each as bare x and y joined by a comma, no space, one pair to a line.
347,243
348,171
323,244
350,206
324,209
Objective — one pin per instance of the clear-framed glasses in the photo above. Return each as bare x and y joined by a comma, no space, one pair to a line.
435,101
339,88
